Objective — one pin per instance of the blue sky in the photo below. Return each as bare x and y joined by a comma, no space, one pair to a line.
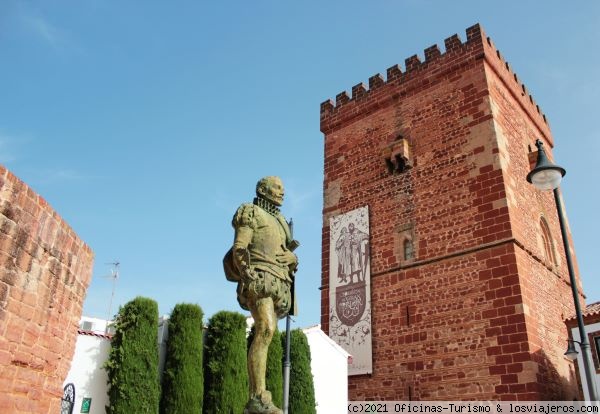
145,124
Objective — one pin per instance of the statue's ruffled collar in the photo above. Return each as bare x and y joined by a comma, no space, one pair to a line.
266,205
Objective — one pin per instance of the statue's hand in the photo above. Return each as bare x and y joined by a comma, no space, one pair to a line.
287,258
249,274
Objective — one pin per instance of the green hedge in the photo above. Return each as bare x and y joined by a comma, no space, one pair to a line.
132,365
274,366
225,370
183,379
302,392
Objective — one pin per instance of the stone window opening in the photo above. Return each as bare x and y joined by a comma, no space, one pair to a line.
397,156
408,249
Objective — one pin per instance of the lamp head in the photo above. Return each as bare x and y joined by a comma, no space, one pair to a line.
545,175
571,351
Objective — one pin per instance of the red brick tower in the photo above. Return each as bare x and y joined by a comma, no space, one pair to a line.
440,153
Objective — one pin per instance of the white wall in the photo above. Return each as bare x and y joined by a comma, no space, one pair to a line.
329,366
86,372
595,327
91,351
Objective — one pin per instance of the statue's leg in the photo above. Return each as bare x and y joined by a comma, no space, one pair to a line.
265,322
251,375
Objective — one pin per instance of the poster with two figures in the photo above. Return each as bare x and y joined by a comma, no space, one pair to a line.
350,287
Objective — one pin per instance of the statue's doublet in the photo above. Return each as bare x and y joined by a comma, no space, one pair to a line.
270,237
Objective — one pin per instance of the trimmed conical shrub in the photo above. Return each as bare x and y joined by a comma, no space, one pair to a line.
302,392
225,364
132,365
183,379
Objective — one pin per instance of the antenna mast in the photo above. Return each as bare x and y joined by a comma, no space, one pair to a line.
114,275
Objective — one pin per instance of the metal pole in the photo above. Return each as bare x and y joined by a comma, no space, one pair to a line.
286,367
584,344
286,362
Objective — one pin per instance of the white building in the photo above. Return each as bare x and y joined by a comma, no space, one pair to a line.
591,320
96,325
91,352
163,337
329,366
86,373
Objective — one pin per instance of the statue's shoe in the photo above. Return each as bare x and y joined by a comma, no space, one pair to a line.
262,405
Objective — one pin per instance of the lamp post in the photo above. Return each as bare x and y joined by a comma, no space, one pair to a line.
547,176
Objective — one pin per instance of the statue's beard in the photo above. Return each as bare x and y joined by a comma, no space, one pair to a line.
266,205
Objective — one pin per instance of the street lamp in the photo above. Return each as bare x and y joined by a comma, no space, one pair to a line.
547,176
571,352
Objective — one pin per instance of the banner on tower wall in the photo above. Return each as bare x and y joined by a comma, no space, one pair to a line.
350,287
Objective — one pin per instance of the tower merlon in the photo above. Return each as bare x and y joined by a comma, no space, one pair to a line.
376,81
327,106
432,52
359,91
475,32
452,43
412,63
341,98
393,73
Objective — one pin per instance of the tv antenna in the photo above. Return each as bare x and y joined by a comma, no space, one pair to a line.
114,275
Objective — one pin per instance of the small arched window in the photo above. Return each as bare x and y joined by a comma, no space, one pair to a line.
409,252
549,251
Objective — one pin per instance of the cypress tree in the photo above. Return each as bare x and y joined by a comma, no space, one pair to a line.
225,364
183,380
302,392
274,380
132,364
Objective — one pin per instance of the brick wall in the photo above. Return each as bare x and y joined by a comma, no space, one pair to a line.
478,312
45,270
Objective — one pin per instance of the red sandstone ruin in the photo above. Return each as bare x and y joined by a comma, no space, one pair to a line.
45,270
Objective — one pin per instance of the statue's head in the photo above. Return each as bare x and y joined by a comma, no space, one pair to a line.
270,188
351,227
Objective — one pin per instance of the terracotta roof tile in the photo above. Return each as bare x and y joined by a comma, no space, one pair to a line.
93,333
590,310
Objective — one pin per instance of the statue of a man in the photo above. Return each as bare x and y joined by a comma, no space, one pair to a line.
261,261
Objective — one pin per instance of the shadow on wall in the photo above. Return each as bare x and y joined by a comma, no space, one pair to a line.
97,376
87,371
551,384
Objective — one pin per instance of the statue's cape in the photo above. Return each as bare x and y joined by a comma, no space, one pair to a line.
231,272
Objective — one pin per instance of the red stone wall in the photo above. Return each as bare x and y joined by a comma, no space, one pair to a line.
45,270
545,288
476,314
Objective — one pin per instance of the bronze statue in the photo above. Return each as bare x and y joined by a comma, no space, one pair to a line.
263,264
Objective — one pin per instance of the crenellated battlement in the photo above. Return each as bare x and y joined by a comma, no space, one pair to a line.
418,73
511,77
395,74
